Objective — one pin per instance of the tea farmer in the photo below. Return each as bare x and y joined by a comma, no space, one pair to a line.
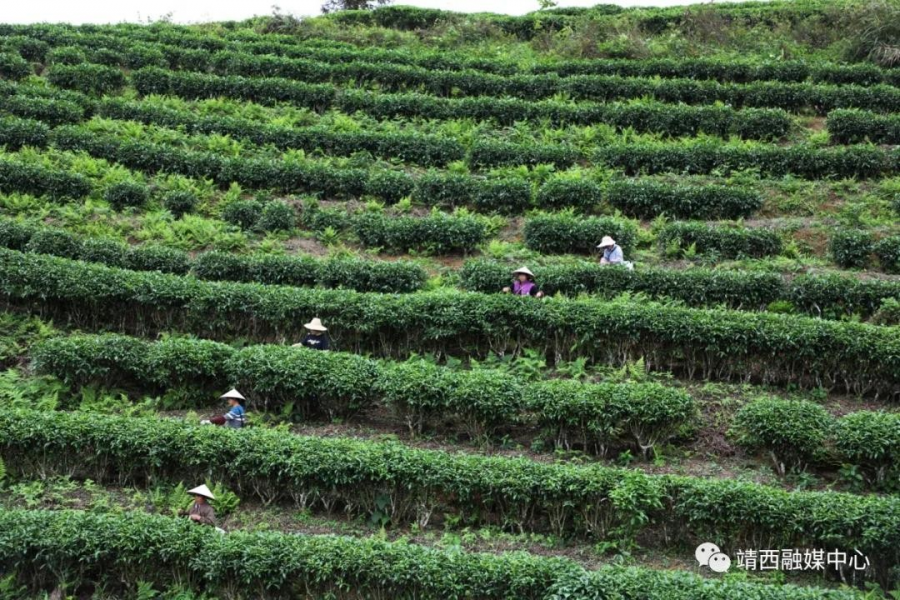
316,339
523,284
236,416
612,252
201,511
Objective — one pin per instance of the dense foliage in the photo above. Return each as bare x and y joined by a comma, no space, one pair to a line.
828,296
351,273
165,552
704,343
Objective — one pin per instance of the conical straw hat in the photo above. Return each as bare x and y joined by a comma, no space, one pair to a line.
315,325
202,490
523,271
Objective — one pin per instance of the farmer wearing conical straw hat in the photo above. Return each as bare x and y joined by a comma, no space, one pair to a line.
200,511
316,339
236,416
612,252
523,284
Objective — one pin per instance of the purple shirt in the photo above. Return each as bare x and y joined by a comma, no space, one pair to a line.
529,288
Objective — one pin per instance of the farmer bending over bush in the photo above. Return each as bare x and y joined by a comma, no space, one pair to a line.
316,339
236,415
200,511
524,284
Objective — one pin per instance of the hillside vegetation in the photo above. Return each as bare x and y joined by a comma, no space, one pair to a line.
177,201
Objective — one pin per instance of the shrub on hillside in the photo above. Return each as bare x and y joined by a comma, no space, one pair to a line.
66,55
54,241
277,216
87,78
243,213
646,199
52,112
14,67
126,194
16,133
851,248
180,202
724,240
872,441
888,253
564,192
564,232
15,235
39,180
158,258
791,432
108,252
29,48
439,232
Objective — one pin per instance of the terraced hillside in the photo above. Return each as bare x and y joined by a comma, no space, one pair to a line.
176,202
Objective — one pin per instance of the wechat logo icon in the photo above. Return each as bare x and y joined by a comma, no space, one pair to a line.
710,555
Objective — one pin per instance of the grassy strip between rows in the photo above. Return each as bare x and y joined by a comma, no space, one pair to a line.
121,549
413,485
709,343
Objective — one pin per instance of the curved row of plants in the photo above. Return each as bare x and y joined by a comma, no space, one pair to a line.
40,180
826,296
357,476
711,343
50,105
600,88
667,119
421,149
200,48
481,402
115,551
356,274
504,194
831,296
671,119
705,157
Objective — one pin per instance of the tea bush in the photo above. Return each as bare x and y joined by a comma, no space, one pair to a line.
888,252
725,241
851,248
39,180
180,202
792,432
564,232
706,343
275,466
38,543
126,194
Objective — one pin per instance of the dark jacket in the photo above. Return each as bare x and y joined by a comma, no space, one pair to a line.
206,512
316,342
